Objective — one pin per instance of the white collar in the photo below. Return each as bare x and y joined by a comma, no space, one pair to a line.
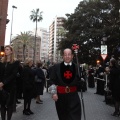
67,63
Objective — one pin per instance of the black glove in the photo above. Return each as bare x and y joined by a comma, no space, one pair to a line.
80,84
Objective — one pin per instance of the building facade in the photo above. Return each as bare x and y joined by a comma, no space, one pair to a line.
54,38
44,34
3,20
29,49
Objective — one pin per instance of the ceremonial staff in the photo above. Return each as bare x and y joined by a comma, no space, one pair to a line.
75,47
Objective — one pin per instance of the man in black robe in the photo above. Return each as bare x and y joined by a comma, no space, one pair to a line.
64,89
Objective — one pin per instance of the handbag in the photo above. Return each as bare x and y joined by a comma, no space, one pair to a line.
37,79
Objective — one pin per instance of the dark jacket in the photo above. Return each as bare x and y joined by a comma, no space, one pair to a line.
28,77
40,74
28,82
68,104
99,71
8,73
115,82
56,77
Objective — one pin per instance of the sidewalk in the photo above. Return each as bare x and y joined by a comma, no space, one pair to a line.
95,108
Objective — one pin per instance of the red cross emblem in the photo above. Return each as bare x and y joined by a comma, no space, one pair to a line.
67,74
75,47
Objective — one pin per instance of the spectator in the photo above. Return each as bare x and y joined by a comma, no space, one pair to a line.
28,86
8,73
115,85
100,81
39,82
91,83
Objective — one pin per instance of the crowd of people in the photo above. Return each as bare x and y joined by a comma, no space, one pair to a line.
107,81
27,81
19,81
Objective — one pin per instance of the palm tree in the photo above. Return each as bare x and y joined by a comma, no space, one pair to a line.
15,46
36,16
24,38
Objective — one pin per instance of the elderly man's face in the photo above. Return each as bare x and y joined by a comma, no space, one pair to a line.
67,56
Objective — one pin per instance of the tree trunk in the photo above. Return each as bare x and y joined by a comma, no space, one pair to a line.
34,56
23,52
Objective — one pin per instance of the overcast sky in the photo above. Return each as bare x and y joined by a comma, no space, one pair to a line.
50,8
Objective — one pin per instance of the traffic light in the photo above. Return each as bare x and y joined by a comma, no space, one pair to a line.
98,61
2,51
1,54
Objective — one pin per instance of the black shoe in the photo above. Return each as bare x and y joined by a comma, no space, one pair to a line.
25,112
41,101
30,112
116,114
38,102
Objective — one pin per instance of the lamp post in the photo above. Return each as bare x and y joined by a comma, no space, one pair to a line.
75,47
12,22
104,39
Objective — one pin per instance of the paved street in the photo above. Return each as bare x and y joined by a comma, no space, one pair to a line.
95,108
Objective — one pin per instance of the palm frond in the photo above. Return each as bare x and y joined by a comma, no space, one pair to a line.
36,15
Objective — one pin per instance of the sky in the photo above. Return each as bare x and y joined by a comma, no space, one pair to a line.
50,9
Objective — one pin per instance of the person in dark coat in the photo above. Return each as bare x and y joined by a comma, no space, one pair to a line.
115,85
8,73
108,97
64,88
82,75
91,83
100,81
19,83
28,86
39,82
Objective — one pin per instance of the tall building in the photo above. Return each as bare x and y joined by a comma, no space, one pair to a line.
3,20
44,34
54,39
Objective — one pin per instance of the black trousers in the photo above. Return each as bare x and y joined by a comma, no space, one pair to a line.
7,106
100,87
68,106
91,83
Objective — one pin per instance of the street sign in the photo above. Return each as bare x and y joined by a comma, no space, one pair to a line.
103,56
103,49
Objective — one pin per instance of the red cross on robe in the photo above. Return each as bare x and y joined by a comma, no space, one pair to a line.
68,74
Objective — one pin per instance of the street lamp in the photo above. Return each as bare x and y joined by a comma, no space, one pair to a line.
12,22
104,39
